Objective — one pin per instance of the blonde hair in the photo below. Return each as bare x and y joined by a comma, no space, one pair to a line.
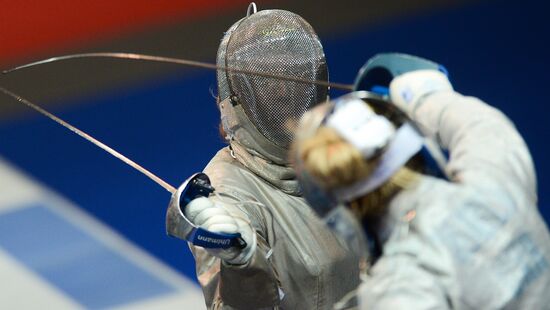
336,163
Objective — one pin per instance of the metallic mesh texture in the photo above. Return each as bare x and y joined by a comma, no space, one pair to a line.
223,87
276,42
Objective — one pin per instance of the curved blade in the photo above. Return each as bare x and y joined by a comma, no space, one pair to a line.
179,61
86,136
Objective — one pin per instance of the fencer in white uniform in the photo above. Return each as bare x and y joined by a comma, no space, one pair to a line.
291,261
475,240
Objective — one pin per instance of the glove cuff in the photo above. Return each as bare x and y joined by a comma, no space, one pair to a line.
407,90
245,255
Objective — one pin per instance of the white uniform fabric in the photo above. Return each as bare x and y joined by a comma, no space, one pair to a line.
298,262
477,242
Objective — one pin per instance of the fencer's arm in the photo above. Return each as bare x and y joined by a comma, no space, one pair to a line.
252,284
485,148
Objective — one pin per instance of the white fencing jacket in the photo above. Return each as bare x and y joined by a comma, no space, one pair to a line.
476,242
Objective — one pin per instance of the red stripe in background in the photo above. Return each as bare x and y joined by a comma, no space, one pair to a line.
36,27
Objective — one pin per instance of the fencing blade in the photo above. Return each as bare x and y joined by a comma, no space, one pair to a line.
180,61
152,58
91,139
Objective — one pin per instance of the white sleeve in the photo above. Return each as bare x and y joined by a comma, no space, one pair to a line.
485,148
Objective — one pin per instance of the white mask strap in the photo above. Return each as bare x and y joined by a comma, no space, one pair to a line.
406,144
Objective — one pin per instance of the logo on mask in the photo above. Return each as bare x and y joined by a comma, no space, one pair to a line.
213,240
277,32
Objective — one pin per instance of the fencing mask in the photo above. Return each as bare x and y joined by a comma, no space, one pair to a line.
259,111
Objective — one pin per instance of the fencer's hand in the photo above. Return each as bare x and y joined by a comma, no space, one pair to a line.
407,90
204,213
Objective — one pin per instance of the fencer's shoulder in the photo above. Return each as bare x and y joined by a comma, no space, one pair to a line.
435,189
435,199
225,170
443,208
222,158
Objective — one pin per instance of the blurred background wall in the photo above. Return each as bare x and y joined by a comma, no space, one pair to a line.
164,116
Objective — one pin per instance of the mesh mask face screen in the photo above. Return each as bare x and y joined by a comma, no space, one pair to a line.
223,87
281,43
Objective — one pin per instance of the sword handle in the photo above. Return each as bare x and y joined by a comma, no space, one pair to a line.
198,185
